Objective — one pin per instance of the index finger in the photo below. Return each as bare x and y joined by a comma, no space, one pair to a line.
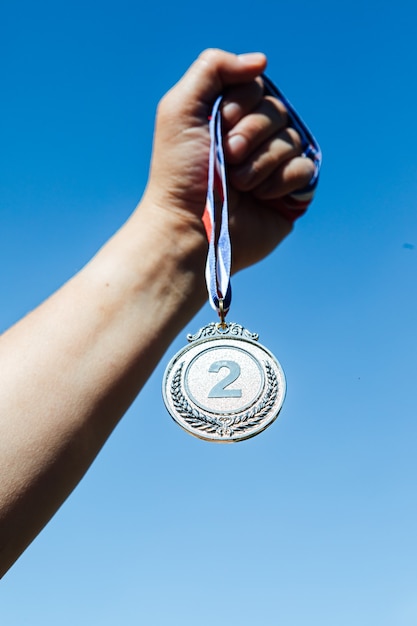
241,100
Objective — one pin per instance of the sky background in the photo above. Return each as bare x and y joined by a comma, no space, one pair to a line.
314,521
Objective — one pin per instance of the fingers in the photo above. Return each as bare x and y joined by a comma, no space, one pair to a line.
262,150
254,129
275,170
239,101
293,175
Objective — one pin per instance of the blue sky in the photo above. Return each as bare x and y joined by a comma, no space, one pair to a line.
314,521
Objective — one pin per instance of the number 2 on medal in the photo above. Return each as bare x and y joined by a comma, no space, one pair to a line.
219,390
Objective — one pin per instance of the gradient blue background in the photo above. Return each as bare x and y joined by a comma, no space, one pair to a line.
314,521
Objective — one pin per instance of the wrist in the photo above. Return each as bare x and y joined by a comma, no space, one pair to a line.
157,260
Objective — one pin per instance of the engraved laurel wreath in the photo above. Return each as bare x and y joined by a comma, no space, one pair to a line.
225,426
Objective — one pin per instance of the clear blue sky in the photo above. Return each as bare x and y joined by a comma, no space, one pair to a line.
314,521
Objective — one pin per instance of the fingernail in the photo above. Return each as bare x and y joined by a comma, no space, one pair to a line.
251,58
237,145
231,112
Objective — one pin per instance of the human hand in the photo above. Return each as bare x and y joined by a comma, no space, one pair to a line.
262,152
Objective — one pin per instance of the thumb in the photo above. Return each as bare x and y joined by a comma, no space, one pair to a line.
214,70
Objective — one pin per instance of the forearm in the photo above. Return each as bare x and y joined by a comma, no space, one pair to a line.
87,351
72,367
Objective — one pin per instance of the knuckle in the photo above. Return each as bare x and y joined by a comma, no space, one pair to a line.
302,170
309,169
294,138
209,56
278,109
164,106
169,105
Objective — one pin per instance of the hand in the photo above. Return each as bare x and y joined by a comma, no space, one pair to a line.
262,152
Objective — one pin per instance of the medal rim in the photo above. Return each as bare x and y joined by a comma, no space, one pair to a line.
245,338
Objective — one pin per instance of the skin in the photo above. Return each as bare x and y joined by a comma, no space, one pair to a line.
71,368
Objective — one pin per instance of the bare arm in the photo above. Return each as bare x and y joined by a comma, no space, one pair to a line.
72,367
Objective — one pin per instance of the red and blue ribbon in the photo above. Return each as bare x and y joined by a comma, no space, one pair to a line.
216,215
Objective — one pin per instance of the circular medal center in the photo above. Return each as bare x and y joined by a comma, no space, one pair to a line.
224,379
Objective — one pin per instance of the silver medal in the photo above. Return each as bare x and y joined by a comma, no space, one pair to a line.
224,386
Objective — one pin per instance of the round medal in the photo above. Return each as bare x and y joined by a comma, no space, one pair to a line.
224,386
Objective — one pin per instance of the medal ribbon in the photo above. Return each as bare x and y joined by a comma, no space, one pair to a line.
216,218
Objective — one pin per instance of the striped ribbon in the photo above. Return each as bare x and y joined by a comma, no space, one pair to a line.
215,218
